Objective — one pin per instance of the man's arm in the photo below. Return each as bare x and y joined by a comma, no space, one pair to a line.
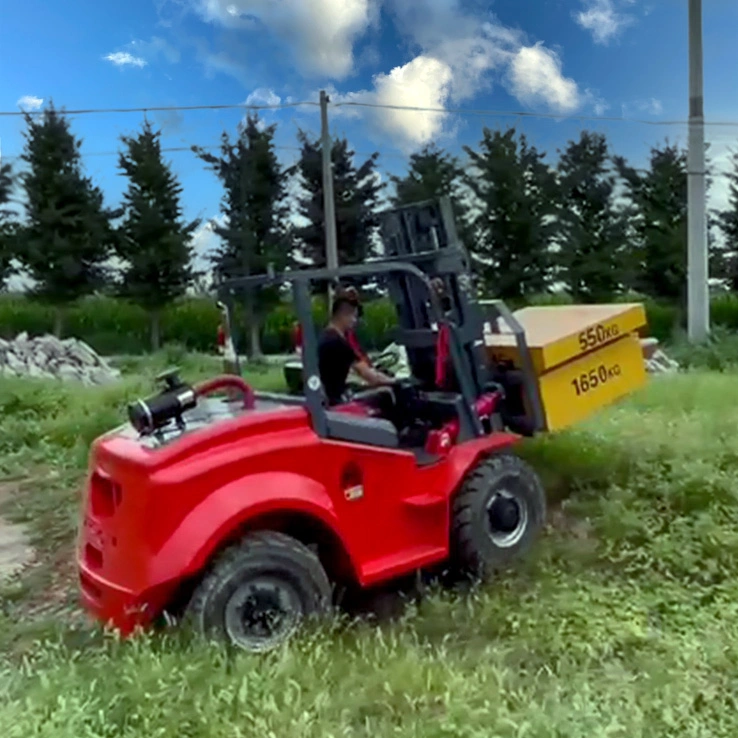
371,376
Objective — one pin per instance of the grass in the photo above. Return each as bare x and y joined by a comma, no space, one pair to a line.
621,624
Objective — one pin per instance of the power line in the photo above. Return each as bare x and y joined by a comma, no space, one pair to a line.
523,114
376,106
160,109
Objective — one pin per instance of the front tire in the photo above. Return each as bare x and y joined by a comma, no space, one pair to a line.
259,592
497,515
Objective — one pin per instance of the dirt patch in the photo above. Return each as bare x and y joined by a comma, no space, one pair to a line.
16,552
51,588
36,583
564,522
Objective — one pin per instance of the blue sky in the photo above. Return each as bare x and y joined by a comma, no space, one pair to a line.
570,58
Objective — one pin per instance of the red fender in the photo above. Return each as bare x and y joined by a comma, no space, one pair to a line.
227,509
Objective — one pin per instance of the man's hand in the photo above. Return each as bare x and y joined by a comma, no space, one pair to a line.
371,376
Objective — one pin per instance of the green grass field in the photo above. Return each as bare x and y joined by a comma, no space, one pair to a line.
623,623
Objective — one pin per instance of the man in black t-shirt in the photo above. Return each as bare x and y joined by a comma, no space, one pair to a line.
336,356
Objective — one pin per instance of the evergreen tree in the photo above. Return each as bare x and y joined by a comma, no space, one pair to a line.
725,256
659,223
432,173
6,189
513,224
67,237
592,231
356,192
8,227
256,232
154,241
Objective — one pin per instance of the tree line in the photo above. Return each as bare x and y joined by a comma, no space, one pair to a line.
588,223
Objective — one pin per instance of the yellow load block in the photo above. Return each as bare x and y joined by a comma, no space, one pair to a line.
585,357
574,391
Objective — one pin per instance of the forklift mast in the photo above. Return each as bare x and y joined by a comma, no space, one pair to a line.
424,234
427,272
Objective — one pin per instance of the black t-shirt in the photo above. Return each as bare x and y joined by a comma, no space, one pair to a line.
335,359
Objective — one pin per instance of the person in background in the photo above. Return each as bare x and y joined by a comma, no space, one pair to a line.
297,338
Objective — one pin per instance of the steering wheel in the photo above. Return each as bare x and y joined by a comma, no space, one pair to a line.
406,383
406,390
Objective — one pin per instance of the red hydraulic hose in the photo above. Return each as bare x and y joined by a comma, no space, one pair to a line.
226,381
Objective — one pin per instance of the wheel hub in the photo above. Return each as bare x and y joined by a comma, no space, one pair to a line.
507,519
504,515
262,613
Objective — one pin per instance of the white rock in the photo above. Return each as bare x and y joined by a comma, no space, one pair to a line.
46,356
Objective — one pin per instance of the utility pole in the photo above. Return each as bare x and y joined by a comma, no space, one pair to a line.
698,294
329,202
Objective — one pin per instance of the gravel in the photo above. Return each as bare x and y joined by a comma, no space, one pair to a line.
51,358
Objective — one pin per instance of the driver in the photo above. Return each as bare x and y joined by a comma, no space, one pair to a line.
337,357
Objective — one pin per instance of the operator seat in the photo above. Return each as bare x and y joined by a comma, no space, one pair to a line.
362,429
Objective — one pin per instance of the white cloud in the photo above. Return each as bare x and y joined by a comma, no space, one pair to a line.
263,96
205,242
423,82
154,47
459,56
138,53
125,59
321,32
651,106
453,56
603,19
30,102
599,105
535,76
719,165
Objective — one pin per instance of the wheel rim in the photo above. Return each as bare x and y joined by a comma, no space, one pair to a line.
262,613
507,519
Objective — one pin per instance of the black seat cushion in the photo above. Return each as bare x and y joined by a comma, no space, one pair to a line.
360,429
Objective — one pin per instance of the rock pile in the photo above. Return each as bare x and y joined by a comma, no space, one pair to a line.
52,358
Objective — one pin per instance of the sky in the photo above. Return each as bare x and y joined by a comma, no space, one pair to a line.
549,67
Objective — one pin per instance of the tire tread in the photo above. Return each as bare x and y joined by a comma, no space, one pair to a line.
466,555
271,546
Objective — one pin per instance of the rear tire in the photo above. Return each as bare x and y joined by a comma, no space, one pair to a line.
259,592
497,516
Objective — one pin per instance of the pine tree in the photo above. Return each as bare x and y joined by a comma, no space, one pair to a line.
257,231
659,223
356,192
67,236
725,256
513,224
592,230
6,189
8,226
432,173
154,241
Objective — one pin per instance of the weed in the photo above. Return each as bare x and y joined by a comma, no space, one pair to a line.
622,624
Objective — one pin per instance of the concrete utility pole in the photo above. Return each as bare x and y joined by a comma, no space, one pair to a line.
329,202
698,294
